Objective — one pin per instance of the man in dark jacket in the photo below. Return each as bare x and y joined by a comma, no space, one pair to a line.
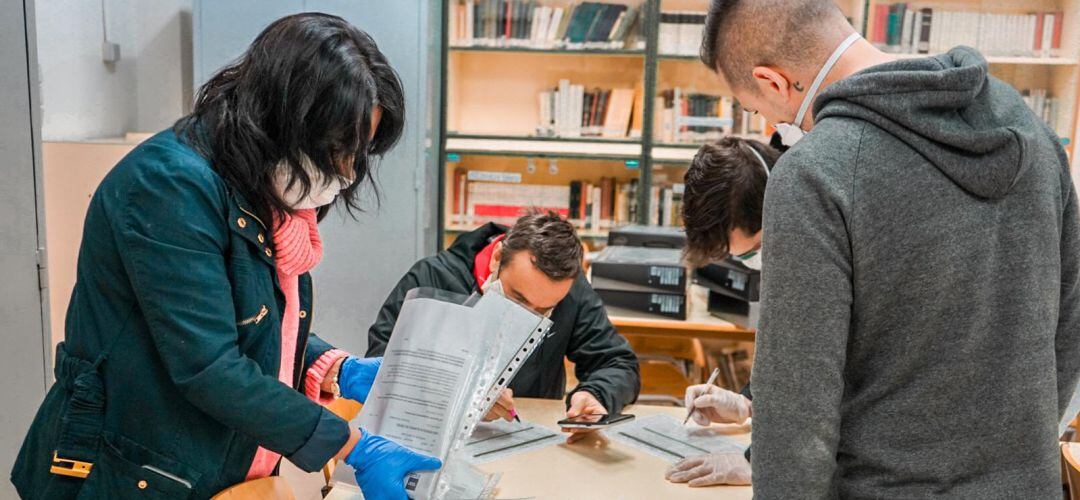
920,327
536,263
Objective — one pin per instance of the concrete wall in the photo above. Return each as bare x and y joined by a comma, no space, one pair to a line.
84,97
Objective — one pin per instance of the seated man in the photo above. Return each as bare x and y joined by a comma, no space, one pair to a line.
536,263
722,205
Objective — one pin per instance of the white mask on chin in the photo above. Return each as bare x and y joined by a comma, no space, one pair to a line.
494,285
753,262
322,192
790,133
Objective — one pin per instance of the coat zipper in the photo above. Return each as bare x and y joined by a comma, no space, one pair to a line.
263,311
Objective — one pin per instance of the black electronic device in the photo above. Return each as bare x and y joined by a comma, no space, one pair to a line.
595,421
639,269
730,278
647,236
734,291
664,304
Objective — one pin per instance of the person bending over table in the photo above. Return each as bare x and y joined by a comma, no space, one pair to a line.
188,363
536,263
725,191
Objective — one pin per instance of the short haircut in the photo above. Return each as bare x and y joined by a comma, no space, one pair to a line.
552,241
305,88
743,34
725,190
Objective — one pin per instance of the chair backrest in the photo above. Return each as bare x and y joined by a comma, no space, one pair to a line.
662,382
687,349
267,488
277,487
1076,428
1070,457
348,410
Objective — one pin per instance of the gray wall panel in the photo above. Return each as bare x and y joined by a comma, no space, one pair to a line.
23,362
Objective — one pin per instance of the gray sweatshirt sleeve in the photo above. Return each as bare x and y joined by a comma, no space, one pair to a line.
802,340
1067,340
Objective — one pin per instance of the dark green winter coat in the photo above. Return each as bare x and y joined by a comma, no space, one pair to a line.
167,379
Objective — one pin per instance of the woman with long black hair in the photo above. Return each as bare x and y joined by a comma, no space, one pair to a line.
188,364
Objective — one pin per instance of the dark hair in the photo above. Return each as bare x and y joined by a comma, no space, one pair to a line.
307,85
553,242
724,190
735,40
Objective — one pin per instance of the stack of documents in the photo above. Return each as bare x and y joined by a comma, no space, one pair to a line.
448,358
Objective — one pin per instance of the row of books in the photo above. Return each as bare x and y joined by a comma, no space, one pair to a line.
665,205
569,110
527,24
602,205
694,117
899,28
1043,105
591,206
680,33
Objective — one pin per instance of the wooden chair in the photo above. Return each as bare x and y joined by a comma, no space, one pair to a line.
269,488
277,487
1070,460
1076,428
662,382
686,353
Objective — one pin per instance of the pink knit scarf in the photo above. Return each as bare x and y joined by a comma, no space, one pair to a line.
298,250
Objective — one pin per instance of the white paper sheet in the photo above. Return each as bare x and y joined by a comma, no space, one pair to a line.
445,356
665,437
500,439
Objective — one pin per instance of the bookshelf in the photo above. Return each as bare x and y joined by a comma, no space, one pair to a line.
493,95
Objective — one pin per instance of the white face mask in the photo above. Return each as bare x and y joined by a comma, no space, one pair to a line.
322,192
494,285
753,261
790,133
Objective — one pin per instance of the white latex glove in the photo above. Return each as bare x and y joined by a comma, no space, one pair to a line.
708,470
713,404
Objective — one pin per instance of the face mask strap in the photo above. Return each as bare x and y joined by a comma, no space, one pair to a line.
820,78
764,166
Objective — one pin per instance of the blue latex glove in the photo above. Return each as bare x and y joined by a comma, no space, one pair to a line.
381,466
356,376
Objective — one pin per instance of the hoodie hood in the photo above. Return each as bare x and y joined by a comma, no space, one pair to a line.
972,127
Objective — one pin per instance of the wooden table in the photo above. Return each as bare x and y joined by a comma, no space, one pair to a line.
699,323
594,468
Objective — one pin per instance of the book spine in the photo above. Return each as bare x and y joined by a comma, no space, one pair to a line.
1055,43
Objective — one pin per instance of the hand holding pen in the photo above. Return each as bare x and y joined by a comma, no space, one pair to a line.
503,407
707,403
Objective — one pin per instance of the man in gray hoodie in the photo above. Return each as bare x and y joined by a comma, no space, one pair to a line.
920,330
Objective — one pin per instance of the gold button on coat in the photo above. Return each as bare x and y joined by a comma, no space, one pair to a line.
261,238
303,314
242,222
269,253
142,483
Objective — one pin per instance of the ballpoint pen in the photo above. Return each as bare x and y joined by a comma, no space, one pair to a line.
690,410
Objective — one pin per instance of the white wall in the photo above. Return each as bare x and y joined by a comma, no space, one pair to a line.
85,98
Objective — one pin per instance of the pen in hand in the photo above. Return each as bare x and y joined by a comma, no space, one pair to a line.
513,413
690,409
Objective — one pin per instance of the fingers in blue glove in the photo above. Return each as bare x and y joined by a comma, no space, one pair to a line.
356,377
381,466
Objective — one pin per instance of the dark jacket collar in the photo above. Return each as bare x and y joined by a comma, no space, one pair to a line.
471,243
462,252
